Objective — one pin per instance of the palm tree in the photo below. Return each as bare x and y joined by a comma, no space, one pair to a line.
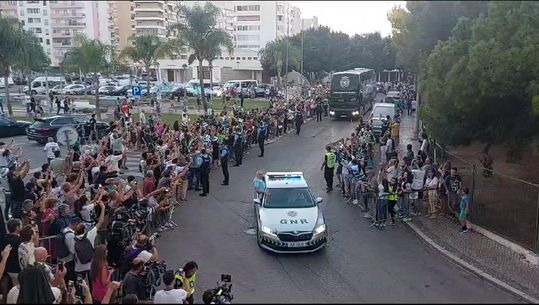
20,49
89,56
200,33
146,50
214,51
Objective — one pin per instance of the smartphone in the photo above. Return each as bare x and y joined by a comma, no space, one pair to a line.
61,266
78,287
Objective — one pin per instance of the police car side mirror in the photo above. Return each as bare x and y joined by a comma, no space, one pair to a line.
256,200
319,200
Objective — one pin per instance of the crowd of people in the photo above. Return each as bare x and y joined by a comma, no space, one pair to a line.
406,183
79,226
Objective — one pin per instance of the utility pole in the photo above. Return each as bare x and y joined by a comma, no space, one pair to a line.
302,28
287,43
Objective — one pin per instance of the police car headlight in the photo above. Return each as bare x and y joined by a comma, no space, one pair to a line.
268,231
355,113
320,229
332,113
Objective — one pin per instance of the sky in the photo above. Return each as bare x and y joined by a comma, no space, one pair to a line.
350,17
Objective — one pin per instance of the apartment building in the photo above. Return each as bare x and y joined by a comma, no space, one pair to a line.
310,23
56,23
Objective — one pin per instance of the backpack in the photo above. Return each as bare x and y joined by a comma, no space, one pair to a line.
61,248
84,251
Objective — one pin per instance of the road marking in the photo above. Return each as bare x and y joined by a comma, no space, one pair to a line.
251,231
468,266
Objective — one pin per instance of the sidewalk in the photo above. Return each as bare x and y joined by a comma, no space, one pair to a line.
475,249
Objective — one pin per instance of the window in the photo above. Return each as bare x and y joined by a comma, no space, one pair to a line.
280,18
45,13
289,198
62,121
46,22
227,58
39,31
255,58
32,10
48,41
247,38
249,58
44,3
247,46
243,58
238,58
40,39
248,28
249,18
221,57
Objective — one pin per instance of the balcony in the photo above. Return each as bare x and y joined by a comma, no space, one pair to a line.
144,8
69,25
67,4
67,15
61,34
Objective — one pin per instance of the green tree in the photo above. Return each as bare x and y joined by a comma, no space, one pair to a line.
19,49
273,58
480,84
146,50
90,56
200,33
419,27
214,51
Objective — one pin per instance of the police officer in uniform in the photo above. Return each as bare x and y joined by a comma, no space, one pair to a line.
299,120
261,136
329,167
205,172
319,110
224,152
238,146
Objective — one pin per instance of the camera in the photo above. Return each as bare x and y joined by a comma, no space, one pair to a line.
220,295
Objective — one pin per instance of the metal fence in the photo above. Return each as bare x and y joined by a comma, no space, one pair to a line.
505,205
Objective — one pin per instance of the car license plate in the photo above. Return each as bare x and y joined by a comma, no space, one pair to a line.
297,244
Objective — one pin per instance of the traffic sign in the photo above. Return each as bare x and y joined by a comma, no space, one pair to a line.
137,90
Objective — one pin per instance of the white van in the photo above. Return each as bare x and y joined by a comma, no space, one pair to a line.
246,86
378,115
39,85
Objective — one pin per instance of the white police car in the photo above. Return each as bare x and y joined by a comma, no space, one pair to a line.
289,219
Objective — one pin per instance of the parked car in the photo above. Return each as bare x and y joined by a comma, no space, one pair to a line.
57,89
121,90
10,128
260,90
42,128
105,90
178,90
76,89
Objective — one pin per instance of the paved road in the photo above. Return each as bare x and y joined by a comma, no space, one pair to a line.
360,264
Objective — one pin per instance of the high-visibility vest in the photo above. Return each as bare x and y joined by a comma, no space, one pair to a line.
191,283
330,159
392,194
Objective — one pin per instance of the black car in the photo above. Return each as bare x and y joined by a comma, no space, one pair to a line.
10,128
121,91
178,91
42,128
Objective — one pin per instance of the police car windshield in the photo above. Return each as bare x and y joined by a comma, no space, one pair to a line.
289,198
